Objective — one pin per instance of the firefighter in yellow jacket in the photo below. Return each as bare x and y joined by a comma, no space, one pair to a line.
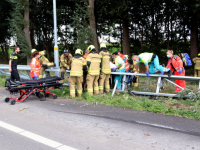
105,69
93,63
44,63
65,62
196,60
135,79
76,73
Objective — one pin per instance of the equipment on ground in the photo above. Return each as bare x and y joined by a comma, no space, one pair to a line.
28,87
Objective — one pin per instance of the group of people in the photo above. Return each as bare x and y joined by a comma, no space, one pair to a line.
93,68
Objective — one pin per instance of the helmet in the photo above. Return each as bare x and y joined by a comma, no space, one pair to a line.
33,50
102,45
90,48
79,51
66,51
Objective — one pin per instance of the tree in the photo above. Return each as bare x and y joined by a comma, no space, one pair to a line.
17,25
4,29
93,24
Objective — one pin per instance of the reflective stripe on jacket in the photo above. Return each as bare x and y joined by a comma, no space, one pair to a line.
175,63
145,58
119,61
94,68
77,66
105,62
35,67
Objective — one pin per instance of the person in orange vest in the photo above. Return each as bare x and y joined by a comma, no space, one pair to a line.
127,67
175,64
35,69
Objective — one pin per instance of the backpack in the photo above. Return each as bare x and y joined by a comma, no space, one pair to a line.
186,59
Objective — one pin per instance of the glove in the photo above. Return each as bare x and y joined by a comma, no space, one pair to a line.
162,73
44,65
35,76
113,69
135,73
147,74
180,70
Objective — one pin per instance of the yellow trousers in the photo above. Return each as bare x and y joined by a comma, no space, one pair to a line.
104,81
92,83
196,73
72,81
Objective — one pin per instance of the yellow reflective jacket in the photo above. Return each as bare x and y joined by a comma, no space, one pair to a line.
105,62
94,68
196,60
77,66
66,61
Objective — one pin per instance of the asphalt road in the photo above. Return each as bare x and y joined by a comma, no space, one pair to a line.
71,125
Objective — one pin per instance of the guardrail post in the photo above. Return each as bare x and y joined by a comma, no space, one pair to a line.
159,84
115,87
123,82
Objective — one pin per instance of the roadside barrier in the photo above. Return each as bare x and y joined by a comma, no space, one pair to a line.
4,71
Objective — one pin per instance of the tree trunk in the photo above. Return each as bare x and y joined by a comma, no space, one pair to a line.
194,48
126,43
26,29
93,24
32,36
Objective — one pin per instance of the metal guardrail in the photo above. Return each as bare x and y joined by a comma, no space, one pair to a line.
157,93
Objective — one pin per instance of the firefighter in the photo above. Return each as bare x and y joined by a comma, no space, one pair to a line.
151,63
196,60
85,72
65,62
76,73
105,71
175,64
44,63
93,63
13,65
135,79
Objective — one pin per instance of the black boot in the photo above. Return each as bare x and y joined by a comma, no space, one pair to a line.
62,75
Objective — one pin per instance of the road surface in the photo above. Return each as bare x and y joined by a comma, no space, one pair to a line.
66,124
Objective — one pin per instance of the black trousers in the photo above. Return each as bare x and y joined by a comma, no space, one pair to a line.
14,74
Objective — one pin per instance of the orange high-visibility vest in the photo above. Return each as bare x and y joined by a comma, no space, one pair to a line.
127,67
35,67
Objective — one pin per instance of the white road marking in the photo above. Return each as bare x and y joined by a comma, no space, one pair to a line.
36,137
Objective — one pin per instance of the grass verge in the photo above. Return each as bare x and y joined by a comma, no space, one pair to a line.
189,108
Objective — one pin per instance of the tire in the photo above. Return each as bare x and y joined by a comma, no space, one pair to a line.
13,102
7,99
55,97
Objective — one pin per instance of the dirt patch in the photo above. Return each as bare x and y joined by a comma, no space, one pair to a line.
176,105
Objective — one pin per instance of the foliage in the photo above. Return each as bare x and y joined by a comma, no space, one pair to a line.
17,25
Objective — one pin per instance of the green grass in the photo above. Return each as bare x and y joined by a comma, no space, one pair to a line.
176,107
189,108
